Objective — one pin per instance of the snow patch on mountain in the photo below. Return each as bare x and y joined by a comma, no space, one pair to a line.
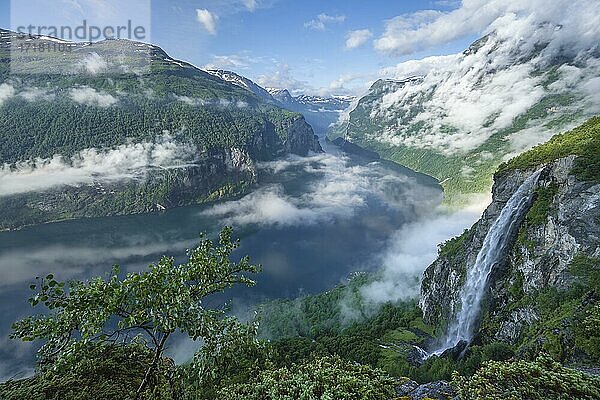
242,82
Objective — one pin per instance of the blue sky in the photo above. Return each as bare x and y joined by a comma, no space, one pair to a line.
297,44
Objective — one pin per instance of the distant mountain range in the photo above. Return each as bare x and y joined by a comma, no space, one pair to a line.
458,117
320,112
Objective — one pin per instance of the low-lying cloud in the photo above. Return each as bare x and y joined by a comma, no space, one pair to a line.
199,102
339,192
94,64
463,99
36,94
91,97
70,262
92,165
6,92
412,249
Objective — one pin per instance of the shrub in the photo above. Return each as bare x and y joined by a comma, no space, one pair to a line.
541,379
321,378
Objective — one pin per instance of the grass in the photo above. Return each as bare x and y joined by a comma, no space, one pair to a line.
542,206
582,142
456,245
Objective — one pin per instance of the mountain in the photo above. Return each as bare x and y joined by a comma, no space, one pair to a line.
458,117
119,127
283,96
320,112
540,293
244,83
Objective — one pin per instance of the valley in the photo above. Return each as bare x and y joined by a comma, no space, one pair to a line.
266,202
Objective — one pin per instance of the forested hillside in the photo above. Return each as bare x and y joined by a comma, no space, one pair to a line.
80,106
458,117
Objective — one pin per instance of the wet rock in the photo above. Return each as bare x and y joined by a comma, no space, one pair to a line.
457,352
538,257
440,390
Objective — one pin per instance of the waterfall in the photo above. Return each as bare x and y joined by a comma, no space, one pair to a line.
494,245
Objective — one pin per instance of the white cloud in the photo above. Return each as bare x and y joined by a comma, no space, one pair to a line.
412,249
346,84
230,62
208,20
281,78
192,101
35,94
91,97
6,92
199,102
94,63
423,29
250,4
341,191
320,23
358,38
71,261
92,165
466,98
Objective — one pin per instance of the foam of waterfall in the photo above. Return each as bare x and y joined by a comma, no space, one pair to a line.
494,245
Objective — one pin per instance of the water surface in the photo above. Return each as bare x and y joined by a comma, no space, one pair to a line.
312,222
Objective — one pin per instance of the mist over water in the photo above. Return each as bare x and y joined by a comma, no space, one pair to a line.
314,221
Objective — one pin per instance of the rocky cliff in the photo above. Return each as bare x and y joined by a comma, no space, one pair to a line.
543,293
214,174
460,115
110,141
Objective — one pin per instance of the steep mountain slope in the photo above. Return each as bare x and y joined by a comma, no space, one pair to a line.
118,127
244,83
320,112
543,293
461,115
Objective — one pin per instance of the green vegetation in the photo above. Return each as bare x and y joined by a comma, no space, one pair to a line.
160,189
541,379
582,142
103,372
565,325
107,336
462,173
321,378
71,112
310,316
381,337
455,246
542,206
168,96
146,307
42,129
316,351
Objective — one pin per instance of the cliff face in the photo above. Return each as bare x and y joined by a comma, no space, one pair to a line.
301,139
216,174
545,283
420,122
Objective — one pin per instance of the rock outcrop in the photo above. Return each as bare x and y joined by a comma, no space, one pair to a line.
557,238
440,390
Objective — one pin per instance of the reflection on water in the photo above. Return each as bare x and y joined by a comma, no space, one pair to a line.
314,221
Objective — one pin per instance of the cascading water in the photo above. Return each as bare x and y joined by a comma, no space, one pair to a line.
490,254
